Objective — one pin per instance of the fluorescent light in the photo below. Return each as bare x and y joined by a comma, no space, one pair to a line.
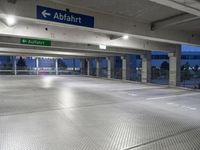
125,37
101,46
10,20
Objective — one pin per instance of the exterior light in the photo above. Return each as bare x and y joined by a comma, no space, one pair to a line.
101,46
10,20
125,37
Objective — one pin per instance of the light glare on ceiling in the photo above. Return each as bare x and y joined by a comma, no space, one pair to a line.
125,37
10,20
102,46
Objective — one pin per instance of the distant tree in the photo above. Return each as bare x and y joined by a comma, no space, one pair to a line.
61,64
155,72
164,66
196,68
21,62
185,72
185,67
7,66
164,69
140,64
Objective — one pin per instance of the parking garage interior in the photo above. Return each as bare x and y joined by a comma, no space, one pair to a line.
82,75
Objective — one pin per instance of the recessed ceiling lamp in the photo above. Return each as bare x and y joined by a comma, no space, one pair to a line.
10,20
125,37
102,46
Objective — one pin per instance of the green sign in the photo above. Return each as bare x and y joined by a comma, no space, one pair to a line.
39,42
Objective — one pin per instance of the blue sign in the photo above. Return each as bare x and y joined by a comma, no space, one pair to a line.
55,15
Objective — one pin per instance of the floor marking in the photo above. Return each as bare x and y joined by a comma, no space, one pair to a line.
128,93
132,94
136,88
165,97
182,106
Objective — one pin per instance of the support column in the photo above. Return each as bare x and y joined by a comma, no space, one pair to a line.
56,66
146,67
125,67
83,66
111,66
97,67
15,65
74,65
175,67
133,70
89,67
37,66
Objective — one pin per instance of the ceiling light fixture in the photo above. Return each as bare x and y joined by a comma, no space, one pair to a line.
10,20
125,37
102,46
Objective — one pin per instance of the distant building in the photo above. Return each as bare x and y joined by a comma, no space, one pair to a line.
190,54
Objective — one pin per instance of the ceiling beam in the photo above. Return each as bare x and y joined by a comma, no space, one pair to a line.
38,55
180,5
174,20
114,37
42,52
14,42
76,35
107,24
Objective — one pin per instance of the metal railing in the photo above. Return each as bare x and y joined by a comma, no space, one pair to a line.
190,79
135,75
160,76
33,71
103,72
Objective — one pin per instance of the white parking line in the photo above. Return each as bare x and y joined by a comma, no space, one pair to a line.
171,96
132,94
182,106
136,88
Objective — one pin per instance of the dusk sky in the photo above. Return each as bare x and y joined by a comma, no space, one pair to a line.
190,48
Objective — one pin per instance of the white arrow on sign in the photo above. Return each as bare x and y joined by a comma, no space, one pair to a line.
45,14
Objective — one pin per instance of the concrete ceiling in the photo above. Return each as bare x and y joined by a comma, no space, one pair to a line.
190,20
192,26
138,10
145,11
189,6
151,24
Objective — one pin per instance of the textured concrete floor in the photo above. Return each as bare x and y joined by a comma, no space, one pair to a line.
77,113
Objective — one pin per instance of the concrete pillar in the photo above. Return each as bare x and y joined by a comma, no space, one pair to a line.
175,67
83,66
146,67
89,67
37,66
133,66
74,65
125,67
111,67
15,65
97,67
56,66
